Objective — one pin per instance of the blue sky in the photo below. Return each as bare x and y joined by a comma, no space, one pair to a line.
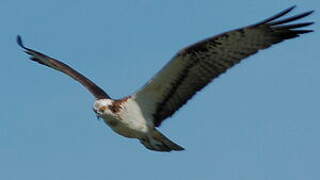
258,121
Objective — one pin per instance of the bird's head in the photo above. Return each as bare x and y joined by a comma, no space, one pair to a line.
102,107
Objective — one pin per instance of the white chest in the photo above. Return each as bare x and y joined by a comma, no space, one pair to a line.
128,121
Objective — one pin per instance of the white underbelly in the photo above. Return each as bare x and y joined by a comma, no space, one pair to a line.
129,121
128,127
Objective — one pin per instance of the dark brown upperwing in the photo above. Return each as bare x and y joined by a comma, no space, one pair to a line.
62,67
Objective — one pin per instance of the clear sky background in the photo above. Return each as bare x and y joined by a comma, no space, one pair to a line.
259,121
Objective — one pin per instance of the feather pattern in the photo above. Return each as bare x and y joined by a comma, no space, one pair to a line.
64,68
193,67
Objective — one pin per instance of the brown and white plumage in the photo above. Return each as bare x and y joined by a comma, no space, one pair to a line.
191,69
195,66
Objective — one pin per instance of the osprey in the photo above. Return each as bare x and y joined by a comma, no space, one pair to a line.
191,69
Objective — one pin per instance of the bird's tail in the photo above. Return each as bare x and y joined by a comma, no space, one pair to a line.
156,141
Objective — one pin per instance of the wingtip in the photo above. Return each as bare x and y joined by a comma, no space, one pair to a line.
309,12
19,42
292,7
286,11
280,14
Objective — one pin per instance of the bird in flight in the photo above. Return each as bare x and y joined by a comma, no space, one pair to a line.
190,70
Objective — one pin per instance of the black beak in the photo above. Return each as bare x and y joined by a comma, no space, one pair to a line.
95,111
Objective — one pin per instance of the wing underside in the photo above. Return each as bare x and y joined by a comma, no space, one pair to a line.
195,66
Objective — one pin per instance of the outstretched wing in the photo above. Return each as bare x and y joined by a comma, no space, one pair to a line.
60,66
194,67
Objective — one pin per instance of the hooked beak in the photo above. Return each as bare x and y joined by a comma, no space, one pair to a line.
95,111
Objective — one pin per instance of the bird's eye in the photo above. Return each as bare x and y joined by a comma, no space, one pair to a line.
102,109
